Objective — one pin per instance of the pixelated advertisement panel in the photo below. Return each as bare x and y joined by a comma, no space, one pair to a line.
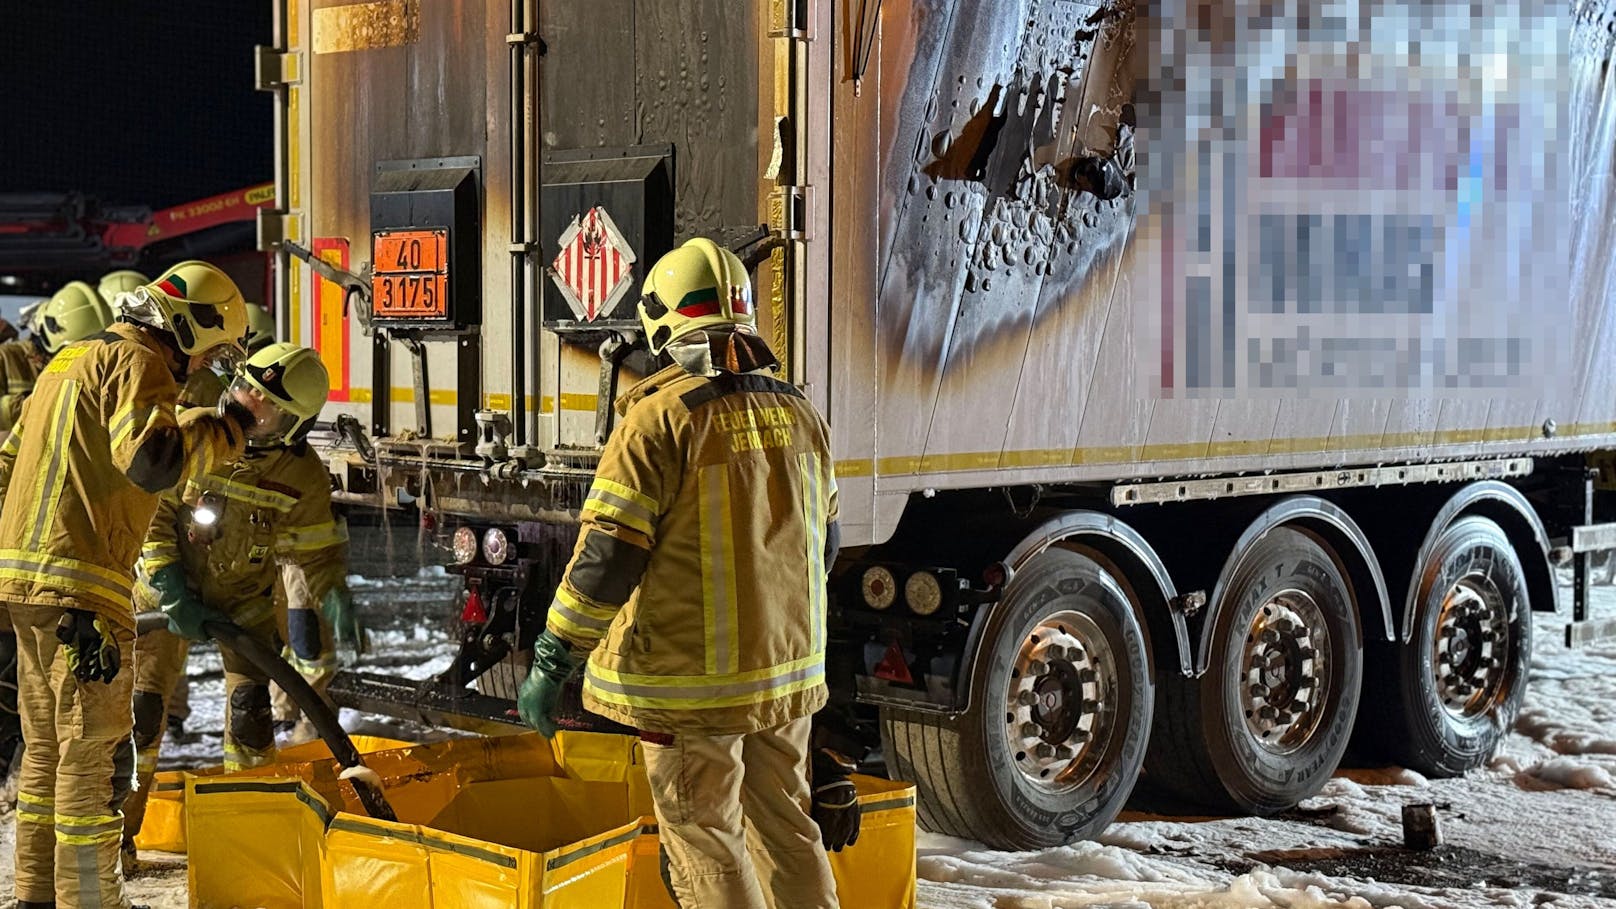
1360,197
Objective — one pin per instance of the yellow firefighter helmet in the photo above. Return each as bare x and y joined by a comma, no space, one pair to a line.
73,314
284,386
260,328
699,285
122,281
196,303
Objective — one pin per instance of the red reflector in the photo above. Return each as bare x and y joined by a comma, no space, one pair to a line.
474,611
893,667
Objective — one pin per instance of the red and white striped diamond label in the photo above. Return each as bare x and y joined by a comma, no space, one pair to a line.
595,266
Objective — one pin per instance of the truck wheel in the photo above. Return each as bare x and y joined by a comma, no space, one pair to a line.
1267,723
1445,699
1059,717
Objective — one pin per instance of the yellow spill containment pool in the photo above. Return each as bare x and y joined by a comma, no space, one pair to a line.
488,822
163,828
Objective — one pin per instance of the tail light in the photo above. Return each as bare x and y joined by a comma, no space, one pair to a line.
474,611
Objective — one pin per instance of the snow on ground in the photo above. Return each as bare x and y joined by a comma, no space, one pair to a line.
1547,799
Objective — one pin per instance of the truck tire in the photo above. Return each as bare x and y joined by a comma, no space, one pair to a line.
1059,718
1265,726
1441,703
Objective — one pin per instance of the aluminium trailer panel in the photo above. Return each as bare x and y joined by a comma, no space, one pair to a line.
1360,233
402,80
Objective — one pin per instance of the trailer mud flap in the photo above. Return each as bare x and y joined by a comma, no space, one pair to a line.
509,821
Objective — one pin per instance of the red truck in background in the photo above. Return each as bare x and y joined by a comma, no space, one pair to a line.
48,239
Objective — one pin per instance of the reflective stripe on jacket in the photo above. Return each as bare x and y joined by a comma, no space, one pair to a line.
96,441
274,514
700,564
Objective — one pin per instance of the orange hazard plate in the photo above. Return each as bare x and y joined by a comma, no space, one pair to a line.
411,274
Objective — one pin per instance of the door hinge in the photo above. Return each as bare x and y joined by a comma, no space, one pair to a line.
274,68
275,227
788,19
788,212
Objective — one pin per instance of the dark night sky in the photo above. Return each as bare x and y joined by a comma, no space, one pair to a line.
136,102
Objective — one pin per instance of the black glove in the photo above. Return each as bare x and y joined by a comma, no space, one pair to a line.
92,653
836,809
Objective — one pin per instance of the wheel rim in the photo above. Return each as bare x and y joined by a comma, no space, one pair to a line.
1285,672
1469,655
1061,705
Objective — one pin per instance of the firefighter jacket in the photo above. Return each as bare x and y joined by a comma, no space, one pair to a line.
19,369
96,442
700,564
272,512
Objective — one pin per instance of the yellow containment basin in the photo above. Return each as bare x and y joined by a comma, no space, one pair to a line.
489,822
163,828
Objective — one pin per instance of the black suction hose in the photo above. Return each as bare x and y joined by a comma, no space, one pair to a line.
292,682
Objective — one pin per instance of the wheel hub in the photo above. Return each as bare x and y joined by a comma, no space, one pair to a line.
1470,650
1060,705
1285,671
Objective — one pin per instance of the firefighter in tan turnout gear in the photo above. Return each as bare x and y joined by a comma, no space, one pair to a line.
162,654
96,442
217,546
74,313
698,588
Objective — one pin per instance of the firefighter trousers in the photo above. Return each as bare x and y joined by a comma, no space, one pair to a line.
709,789
75,772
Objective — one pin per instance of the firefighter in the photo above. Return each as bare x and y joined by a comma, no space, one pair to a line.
260,328
122,281
73,314
97,441
168,650
161,653
697,588
218,544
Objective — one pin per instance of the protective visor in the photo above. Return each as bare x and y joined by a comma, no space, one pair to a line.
272,425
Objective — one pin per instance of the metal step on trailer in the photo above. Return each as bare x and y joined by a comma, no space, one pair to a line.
1586,540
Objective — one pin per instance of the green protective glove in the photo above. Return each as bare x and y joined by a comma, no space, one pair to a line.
338,606
541,693
185,610
92,653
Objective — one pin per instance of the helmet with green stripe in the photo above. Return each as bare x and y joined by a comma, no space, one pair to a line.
699,285
196,303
